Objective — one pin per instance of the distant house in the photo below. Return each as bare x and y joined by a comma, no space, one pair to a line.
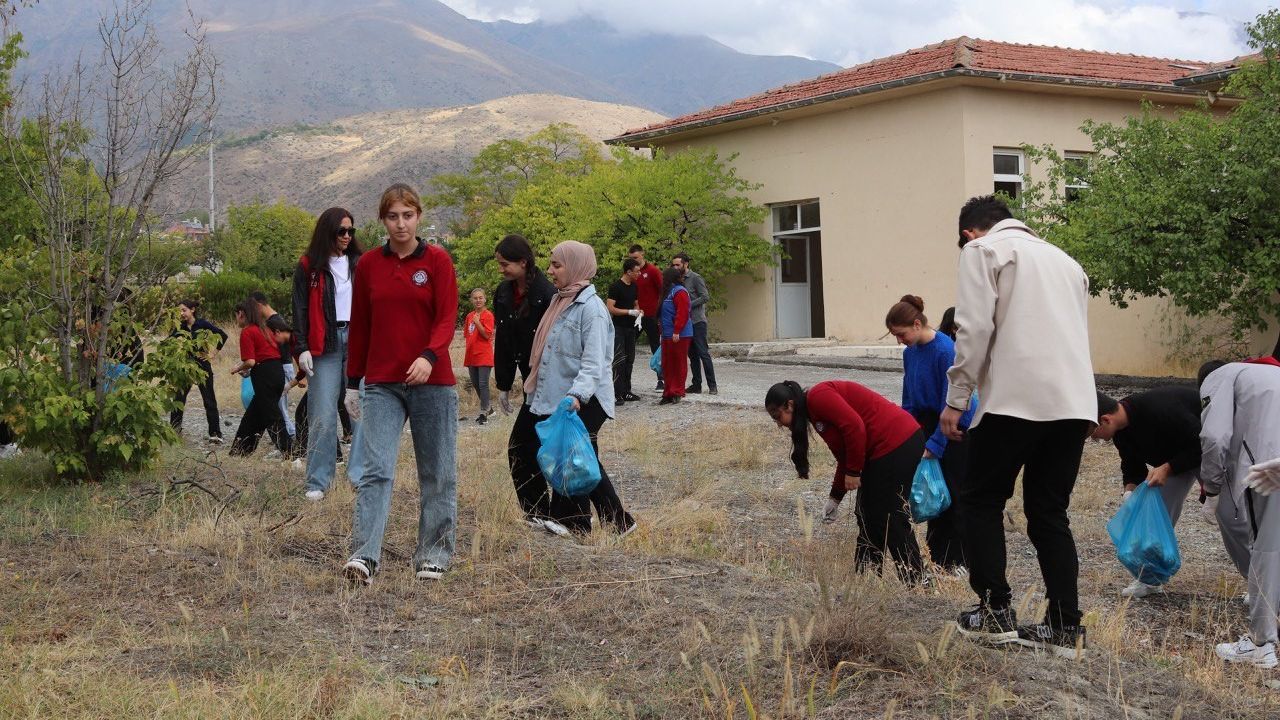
192,230
864,171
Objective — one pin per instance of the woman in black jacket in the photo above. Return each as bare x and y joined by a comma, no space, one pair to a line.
323,285
192,324
518,305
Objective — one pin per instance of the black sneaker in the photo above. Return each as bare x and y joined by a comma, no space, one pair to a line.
631,397
482,419
693,390
359,571
1065,642
713,391
620,401
667,400
989,625
429,571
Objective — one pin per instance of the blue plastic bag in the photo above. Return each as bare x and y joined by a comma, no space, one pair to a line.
655,362
1143,536
114,373
929,495
566,457
246,392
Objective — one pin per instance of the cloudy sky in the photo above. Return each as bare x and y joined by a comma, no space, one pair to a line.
852,31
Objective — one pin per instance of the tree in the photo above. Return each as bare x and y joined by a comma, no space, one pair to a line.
91,153
689,201
264,240
1185,208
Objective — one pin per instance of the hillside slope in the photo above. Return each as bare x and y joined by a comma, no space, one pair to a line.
350,161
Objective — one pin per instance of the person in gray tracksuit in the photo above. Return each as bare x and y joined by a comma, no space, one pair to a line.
1241,411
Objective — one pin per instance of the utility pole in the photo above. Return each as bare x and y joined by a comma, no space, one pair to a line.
211,181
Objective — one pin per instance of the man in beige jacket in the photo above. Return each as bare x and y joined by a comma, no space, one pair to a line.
1023,344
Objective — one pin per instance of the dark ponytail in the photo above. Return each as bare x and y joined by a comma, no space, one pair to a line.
777,397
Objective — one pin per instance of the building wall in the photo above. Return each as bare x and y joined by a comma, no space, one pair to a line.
890,177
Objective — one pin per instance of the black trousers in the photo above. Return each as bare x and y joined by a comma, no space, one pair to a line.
624,356
534,494
653,330
263,412
1048,455
884,522
210,404
943,532
700,357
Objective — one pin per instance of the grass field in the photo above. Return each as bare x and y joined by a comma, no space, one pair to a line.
210,588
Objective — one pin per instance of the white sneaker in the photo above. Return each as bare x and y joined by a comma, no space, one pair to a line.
358,570
555,528
427,571
315,495
1244,651
534,523
1139,589
297,464
273,455
214,439
1248,601
10,450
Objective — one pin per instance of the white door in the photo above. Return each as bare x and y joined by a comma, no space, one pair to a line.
792,295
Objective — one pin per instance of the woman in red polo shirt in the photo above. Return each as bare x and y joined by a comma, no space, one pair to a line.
260,362
877,446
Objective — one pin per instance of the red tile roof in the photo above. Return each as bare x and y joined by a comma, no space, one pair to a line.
977,56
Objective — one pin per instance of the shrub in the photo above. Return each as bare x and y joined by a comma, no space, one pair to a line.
220,293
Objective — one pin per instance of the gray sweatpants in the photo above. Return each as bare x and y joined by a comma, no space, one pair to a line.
1264,569
1233,523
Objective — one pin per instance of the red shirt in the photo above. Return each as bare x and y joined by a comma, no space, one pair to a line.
649,289
402,309
479,350
255,346
857,423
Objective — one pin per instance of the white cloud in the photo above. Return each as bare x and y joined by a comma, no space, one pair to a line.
852,31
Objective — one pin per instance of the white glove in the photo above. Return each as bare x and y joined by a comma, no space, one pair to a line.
1209,510
1125,497
638,323
830,510
306,363
504,401
633,313
1264,478
352,401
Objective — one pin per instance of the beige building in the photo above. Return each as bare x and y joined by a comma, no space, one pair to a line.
864,172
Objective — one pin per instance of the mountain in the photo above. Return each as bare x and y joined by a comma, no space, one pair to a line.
311,61
351,160
673,74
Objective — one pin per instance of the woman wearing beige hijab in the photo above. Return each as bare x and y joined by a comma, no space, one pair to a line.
572,356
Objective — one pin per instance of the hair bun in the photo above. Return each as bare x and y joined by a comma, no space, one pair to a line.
914,301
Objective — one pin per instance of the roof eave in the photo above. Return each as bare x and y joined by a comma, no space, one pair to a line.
1215,78
642,138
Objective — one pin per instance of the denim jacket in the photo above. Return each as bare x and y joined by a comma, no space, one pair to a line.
578,357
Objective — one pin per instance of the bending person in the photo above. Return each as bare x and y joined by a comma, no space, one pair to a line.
399,345
260,362
877,447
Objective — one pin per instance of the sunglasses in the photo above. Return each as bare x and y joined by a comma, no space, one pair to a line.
347,231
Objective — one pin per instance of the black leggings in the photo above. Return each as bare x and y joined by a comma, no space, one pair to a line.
264,410
881,510
210,404
943,534
534,494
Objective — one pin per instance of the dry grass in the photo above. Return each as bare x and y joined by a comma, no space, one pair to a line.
149,598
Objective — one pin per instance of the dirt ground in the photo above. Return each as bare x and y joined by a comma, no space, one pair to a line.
151,596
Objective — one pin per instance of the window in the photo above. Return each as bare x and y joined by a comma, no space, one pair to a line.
1077,165
1008,169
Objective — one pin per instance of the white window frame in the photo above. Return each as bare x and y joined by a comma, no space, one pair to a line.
1083,157
1006,178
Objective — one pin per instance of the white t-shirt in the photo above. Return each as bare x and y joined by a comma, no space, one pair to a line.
340,267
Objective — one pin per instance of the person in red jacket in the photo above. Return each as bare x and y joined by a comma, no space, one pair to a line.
477,332
260,362
403,311
677,334
877,446
648,296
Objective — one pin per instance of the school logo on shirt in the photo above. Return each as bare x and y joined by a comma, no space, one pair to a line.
820,426
420,278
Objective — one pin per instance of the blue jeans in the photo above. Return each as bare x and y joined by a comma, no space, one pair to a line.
325,390
432,412
289,374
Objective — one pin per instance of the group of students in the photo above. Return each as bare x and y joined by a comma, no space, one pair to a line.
1021,345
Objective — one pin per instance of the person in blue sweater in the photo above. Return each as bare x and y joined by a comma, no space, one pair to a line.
925,360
